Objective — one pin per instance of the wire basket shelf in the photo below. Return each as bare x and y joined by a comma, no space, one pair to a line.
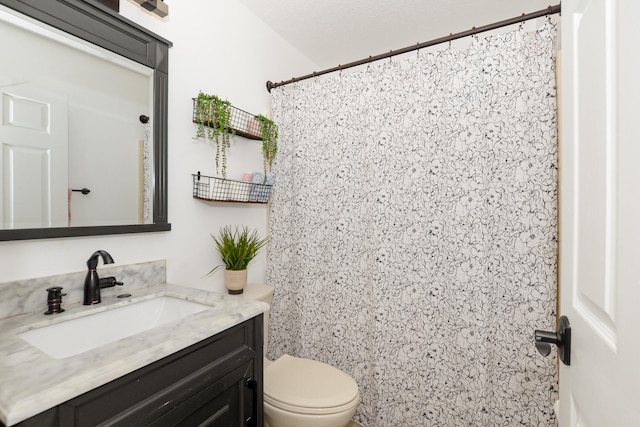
226,190
243,123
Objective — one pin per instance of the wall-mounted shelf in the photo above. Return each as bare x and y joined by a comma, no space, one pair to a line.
243,123
226,190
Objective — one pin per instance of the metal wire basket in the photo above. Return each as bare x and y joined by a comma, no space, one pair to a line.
227,190
243,123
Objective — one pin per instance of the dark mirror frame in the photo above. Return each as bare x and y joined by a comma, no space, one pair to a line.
94,22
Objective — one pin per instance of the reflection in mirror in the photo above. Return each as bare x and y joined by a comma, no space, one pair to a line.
82,122
70,121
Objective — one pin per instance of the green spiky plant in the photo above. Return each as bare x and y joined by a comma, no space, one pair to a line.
269,133
237,247
213,116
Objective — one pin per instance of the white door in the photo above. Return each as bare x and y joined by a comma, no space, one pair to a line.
600,212
33,158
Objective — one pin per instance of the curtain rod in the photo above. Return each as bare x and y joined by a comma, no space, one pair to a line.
524,17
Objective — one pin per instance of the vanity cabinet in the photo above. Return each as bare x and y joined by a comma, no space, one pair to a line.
216,382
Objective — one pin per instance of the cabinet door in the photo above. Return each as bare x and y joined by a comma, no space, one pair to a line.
144,396
222,404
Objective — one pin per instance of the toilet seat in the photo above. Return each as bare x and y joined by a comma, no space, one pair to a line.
307,386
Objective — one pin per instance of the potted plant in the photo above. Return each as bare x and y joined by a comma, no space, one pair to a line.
214,114
237,247
269,134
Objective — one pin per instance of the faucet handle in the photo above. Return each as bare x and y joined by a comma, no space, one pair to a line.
54,300
55,292
108,282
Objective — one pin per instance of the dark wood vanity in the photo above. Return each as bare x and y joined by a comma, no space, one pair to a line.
216,382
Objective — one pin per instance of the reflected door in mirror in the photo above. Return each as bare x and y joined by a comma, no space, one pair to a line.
33,158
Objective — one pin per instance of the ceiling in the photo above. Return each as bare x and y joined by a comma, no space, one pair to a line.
333,32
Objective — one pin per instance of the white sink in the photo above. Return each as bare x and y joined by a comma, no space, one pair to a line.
72,337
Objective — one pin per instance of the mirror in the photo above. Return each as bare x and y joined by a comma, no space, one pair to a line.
82,122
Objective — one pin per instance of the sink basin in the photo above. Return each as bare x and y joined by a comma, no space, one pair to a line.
66,339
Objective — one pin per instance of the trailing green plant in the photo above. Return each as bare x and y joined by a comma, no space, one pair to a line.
213,116
237,246
269,133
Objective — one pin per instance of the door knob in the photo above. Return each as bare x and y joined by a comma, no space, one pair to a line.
561,338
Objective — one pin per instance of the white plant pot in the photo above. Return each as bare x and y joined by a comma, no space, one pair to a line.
235,281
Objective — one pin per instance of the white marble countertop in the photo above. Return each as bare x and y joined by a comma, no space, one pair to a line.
32,382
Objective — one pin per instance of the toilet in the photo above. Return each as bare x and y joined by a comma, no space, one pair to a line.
303,392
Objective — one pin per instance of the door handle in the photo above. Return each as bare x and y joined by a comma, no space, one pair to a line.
561,338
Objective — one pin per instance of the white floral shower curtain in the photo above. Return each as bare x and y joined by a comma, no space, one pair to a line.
413,228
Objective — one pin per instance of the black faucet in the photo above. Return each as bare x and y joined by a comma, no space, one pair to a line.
92,282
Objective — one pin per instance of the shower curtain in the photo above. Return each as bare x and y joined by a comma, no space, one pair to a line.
413,226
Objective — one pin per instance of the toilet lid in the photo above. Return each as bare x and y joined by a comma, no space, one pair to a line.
308,386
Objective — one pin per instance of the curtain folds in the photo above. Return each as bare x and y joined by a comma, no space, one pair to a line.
414,227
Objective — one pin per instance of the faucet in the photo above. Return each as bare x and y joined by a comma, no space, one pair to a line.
92,281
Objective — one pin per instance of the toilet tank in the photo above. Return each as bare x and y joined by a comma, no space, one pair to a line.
263,293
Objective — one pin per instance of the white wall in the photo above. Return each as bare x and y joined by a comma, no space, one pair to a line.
218,47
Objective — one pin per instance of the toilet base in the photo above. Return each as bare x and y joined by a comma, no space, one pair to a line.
276,417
